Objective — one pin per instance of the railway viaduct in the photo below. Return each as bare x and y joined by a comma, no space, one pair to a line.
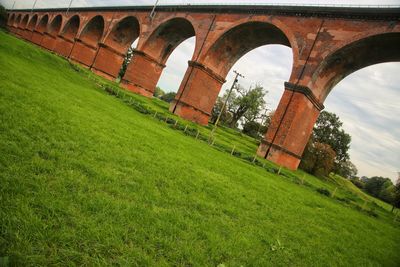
328,43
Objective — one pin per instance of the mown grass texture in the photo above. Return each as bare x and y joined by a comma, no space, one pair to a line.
87,180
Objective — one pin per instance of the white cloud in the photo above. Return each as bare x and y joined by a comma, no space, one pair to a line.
367,103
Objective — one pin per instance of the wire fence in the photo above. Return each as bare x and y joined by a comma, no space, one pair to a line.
337,193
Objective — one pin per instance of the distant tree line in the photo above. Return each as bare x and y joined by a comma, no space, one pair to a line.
381,188
167,97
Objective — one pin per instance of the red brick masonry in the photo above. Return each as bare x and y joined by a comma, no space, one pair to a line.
327,44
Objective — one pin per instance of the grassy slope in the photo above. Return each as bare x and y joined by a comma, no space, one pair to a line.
87,180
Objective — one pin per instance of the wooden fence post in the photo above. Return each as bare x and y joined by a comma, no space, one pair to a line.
334,192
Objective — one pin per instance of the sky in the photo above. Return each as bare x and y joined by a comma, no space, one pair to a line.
366,101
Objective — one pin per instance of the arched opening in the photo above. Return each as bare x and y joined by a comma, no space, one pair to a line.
364,74
32,23
366,101
114,55
87,47
167,37
262,53
71,28
50,38
55,25
17,21
143,74
240,40
355,56
93,31
267,66
123,34
182,51
11,19
24,22
123,38
176,66
65,44
41,27
195,100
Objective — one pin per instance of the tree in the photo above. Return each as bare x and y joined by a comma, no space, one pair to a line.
376,184
346,169
318,159
258,128
247,104
3,17
357,182
159,92
387,193
126,62
217,109
168,97
396,198
253,129
242,105
327,130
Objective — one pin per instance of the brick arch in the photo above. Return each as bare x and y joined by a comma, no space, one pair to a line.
24,22
53,29
375,49
17,20
11,19
123,34
71,28
239,40
32,22
87,44
93,31
166,37
300,105
112,52
43,23
204,77
66,38
55,25
149,59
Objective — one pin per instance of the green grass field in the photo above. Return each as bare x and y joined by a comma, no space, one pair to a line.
85,179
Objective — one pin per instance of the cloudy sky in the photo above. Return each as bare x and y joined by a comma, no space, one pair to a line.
367,101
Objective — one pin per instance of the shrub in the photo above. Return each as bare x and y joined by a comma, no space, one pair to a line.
342,199
168,97
318,159
324,191
159,92
357,182
254,129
